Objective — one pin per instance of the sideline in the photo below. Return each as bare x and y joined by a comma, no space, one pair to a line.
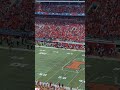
60,48
17,49
103,58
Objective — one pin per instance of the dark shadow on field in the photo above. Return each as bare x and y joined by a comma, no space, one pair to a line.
17,70
105,72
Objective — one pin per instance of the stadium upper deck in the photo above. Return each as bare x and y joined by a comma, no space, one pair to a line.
60,8
60,26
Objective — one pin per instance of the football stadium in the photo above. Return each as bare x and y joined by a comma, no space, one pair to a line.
59,50
58,43
71,52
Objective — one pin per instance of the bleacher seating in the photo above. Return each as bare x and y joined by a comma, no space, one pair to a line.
101,49
16,15
62,29
103,22
74,9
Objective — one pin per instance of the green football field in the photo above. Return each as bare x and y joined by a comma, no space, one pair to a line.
50,66
103,70
17,69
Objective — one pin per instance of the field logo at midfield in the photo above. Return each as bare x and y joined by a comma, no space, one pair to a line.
75,65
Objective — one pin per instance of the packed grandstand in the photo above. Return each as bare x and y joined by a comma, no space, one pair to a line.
103,27
69,32
59,25
60,29
16,24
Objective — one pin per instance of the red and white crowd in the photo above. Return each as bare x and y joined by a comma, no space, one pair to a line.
48,86
16,15
63,29
58,28
101,49
103,23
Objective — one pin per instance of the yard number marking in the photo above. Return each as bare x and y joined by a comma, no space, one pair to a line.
42,74
18,65
82,81
60,77
70,53
42,53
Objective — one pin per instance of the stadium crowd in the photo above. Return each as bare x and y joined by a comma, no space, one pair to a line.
62,44
16,42
101,49
103,19
15,18
60,8
50,86
62,29
102,24
16,15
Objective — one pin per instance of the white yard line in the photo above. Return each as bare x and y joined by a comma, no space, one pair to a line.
82,69
38,77
69,61
61,79
71,71
53,75
65,65
101,78
62,67
73,79
80,85
95,79
54,66
91,76
48,71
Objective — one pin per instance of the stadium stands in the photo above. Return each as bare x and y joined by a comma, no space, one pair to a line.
70,32
60,8
15,22
102,25
61,29
17,42
104,20
101,49
16,15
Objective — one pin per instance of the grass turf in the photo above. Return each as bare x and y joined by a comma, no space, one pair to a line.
15,77
102,71
50,66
